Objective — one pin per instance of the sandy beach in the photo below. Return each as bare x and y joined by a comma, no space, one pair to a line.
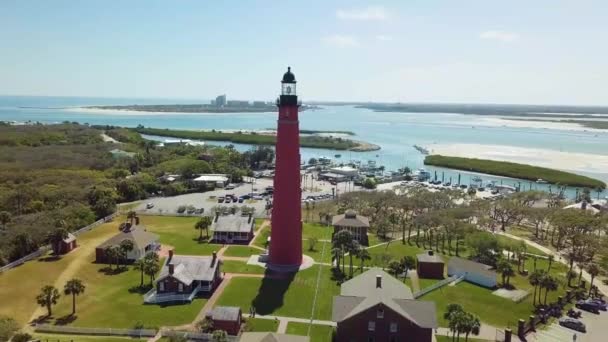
564,126
576,162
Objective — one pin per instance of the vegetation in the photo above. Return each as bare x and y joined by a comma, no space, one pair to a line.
320,333
47,298
8,327
249,138
261,325
74,287
514,170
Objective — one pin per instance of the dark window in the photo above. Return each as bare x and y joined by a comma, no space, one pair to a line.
370,339
393,338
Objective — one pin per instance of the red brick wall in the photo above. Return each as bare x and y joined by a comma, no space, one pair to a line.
231,327
355,329
172,285
430,270
100,256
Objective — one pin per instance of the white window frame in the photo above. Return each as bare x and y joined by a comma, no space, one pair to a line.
161,286
371,326
180,287
394,327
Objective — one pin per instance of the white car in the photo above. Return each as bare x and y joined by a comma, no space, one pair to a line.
149,205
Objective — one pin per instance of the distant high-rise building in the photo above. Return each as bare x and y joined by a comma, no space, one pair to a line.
220,101
237,103
259,103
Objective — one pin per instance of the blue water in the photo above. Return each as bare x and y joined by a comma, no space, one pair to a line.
394,132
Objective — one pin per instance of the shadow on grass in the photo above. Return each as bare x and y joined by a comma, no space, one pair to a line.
65,320
272,292
140,289
113,271
50,258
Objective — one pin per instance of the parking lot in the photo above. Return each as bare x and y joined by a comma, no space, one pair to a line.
597,330
208,200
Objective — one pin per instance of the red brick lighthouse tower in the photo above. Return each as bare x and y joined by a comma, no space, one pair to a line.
286,234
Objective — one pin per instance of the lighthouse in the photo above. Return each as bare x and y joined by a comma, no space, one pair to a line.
286,221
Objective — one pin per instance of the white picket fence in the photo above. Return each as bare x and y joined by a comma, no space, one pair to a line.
47,328
193,336
44,249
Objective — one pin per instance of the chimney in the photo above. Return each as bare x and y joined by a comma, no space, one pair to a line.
378,281
171,269
214,257
430,252
170,254
250,216
137,220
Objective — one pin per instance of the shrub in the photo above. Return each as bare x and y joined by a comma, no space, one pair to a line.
181,209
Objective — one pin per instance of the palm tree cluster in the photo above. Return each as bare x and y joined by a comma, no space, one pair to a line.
49,295
149,265
541,279
342,244
118,255
402,266
461,322
203,224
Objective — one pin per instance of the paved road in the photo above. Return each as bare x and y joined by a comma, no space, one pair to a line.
597,330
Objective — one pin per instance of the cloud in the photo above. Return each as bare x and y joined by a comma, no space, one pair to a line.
339,40
366,14
502,36
384,38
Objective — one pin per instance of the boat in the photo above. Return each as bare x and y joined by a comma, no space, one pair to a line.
476,179
541,181
338,155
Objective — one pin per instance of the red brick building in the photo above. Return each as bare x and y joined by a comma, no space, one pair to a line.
227,318
356,224
375,307
67,245
430,265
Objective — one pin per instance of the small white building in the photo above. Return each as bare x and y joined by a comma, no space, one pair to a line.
219,180
473,272
345,170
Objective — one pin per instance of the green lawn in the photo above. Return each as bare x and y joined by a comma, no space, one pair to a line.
258,223
179,232
241,251
234,266
82,338
395,250
261,238
261,325
318,333
317,230
286,297
424,283
318,253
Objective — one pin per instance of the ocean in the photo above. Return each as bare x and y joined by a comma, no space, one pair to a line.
396,133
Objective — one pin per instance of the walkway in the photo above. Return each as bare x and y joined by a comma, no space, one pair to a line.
558,257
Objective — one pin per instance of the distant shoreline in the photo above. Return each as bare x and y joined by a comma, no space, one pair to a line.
197,108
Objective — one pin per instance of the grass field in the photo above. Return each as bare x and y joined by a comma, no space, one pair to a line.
241,251
179,232
318,333
261,325
286,297
515,170
233,266
107,301
261,238
318,253
317,230
82,338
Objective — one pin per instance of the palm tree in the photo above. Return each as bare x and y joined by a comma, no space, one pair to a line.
353,249
470,325
203,223
152,266
131,215
54,237
47,298
125,247
450,314
550,258
363,255
534,278
506,270
549,283
140,265
74,287
336,254
408,262
593,270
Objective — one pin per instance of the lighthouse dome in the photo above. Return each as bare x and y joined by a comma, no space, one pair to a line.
289,77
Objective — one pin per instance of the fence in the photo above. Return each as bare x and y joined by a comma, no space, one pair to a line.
44,249
47,328
436,286
193,336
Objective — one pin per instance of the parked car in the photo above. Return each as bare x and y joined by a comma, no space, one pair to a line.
199,211
246,197
588,306
601,303
573,324
258,197
149,205
241,200
230,187
221,199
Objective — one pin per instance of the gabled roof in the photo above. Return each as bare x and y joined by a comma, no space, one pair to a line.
271,337
233,223
362,293
350,219
138,234
71,238
187,269
471,266
225,313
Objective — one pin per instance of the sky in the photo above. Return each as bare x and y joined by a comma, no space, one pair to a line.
468,51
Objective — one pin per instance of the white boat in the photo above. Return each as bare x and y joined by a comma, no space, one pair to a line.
541,181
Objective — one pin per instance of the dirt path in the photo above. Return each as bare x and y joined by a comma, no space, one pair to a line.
84,255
